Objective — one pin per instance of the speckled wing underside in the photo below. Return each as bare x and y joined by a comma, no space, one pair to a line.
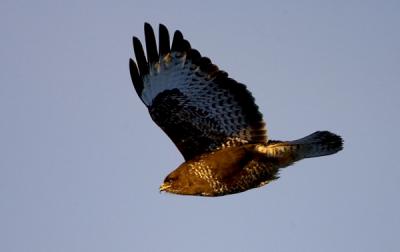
194,102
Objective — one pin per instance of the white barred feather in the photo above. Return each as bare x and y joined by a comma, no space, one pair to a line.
175,72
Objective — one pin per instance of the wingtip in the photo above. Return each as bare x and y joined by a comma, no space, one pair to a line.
164,44
135,40
177,41
178,34
147,27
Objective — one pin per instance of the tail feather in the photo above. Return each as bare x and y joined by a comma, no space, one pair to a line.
320,143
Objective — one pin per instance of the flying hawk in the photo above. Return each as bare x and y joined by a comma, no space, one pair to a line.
213,121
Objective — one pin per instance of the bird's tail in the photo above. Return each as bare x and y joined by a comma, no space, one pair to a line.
320,143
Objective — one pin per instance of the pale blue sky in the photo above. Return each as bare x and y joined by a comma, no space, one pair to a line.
81,161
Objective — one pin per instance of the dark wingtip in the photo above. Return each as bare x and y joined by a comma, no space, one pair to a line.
140,57
162,26
178,34
136,79
135,40
151,45
164,43
177,41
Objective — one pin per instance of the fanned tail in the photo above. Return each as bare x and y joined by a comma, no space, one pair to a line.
320,143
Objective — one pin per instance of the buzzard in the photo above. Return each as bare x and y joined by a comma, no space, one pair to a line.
213,121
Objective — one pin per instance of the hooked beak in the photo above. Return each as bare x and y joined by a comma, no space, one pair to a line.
164,187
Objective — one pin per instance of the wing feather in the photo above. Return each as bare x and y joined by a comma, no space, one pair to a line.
164,40
177,42
151,45
136,79
140,57
197,105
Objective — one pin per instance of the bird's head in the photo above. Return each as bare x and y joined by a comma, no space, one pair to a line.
180,181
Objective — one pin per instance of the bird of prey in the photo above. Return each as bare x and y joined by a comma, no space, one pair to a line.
213,121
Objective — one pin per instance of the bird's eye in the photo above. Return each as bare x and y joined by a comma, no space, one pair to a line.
170,179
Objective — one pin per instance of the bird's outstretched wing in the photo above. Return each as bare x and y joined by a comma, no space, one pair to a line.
197,105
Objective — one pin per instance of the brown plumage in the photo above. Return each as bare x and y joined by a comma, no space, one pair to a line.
213,120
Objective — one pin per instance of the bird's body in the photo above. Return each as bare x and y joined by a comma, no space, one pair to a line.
237,169
213,120
227,171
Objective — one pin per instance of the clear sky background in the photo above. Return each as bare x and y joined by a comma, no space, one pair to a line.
81,161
